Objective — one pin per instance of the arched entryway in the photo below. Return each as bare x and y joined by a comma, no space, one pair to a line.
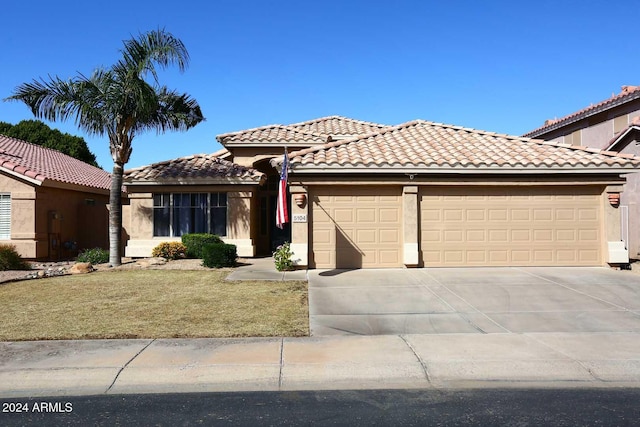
269,237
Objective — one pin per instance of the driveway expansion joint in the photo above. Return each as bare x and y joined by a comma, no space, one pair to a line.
281,363
579,362
483,313
563,285
127,364
423,364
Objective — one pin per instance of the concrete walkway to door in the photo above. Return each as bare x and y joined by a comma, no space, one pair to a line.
473,300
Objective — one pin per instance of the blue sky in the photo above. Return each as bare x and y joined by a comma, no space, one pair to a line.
502,66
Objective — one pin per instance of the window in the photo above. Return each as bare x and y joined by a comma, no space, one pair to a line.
175,214
5,216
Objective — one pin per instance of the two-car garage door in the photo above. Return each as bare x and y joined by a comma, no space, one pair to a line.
362,226
502,226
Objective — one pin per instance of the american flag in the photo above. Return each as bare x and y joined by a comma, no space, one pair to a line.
282,211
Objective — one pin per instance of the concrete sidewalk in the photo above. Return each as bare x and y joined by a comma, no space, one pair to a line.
58,368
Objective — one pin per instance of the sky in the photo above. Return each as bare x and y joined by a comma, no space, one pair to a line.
500,66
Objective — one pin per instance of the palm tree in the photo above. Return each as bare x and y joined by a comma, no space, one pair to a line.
120,103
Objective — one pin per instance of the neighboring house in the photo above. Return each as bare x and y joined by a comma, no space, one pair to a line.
373,196
51,204
612,125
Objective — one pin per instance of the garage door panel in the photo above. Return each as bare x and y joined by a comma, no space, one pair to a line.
389,215
510,226
587,214
542,215
364,225
390,236
342,215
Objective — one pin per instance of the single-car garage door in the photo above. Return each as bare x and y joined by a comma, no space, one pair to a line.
356,227
502,226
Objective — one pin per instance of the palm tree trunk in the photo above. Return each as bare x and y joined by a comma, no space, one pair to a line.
115,215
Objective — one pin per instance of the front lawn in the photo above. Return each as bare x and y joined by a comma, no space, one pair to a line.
151,304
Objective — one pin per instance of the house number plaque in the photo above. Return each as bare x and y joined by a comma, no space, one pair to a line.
299,217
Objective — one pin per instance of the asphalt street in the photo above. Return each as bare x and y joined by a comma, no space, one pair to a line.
479,407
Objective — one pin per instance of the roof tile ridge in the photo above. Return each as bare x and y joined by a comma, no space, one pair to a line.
476,131
630,94
226,134
289,128
355,139
363,122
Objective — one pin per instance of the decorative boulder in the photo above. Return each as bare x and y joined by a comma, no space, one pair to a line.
81,268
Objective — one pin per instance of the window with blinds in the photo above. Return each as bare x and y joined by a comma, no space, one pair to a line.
5,216
175,214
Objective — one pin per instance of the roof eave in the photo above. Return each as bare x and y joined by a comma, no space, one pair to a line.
196,181
74,187
21,176
341,169
617,140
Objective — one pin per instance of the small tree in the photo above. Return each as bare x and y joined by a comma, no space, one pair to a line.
118,102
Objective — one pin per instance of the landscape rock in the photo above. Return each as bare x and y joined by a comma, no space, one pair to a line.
81,268
147,262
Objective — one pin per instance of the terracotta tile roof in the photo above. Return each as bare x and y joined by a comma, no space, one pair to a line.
421,144
628,93
338,126
270,133
200,167
41,164
317,131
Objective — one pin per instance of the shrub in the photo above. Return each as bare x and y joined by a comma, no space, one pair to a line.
169,250
94,256
216,255
10,259
282,257
196,241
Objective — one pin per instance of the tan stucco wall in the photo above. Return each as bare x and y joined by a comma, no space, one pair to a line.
79,217
23,232
631,198
32,217
138,216
299,226
250,155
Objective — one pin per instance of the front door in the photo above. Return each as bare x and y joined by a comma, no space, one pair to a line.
270,236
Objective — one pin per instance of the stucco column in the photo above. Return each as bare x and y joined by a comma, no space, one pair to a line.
299,216
239,222
615,251
410,226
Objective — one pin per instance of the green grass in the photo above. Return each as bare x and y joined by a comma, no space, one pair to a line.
151,304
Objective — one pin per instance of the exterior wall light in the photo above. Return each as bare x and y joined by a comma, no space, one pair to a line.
300,200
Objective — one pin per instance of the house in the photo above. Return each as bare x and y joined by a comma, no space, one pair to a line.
51,204
364,195
613,125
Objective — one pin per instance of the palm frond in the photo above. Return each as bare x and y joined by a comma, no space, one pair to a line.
175,111
158,47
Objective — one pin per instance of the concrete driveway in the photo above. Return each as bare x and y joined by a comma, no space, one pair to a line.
473,300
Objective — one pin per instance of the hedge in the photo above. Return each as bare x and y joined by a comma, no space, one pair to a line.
216,255
196,241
